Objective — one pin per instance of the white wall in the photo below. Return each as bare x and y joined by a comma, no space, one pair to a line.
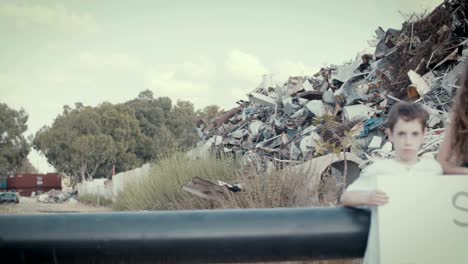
110,188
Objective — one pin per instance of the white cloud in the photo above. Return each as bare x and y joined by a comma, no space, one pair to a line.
167,84
9,83
201,71
244,66
106,61
56,17
283,70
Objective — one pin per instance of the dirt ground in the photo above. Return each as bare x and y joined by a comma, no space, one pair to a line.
31,206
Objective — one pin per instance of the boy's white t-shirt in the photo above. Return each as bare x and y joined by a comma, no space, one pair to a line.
367,181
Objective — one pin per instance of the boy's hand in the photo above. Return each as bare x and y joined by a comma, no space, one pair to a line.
377,198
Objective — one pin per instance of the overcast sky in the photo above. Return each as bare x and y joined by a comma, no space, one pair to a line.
55,53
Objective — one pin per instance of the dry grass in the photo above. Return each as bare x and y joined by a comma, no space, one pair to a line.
7,208
277,188
29,205
287,187
162,189
94,200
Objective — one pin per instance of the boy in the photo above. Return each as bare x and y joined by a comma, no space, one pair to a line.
405,127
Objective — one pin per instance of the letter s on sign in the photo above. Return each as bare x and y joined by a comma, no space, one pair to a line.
454,202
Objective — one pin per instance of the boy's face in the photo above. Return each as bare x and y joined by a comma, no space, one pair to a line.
407,137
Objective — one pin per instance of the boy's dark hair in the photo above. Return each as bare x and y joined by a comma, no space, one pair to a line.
407,112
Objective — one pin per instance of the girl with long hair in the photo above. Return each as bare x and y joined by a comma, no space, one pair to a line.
453,154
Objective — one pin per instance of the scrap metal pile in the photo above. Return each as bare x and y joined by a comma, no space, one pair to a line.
343,108
55,196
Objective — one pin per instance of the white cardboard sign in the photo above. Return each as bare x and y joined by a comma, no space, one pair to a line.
425,221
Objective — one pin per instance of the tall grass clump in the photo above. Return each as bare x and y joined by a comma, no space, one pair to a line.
162,188
287,187
291,186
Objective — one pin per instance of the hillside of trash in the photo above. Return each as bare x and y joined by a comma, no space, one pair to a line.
342,108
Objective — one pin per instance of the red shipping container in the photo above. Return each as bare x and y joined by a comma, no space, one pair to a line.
52,180
24,181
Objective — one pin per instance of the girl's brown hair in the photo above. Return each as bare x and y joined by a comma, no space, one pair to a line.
459,124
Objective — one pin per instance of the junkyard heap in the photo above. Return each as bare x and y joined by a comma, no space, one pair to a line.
342,107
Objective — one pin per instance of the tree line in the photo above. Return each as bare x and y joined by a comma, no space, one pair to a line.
90,142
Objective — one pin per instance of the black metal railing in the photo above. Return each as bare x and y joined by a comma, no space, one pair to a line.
200,236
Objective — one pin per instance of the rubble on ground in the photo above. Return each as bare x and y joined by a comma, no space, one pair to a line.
55,196
343,107
208,190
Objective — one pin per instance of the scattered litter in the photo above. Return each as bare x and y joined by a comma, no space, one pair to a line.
54,196
208,190
375,143
316,107
421,86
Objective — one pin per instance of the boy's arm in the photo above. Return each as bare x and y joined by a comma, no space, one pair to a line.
362,191
358,198
350,198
